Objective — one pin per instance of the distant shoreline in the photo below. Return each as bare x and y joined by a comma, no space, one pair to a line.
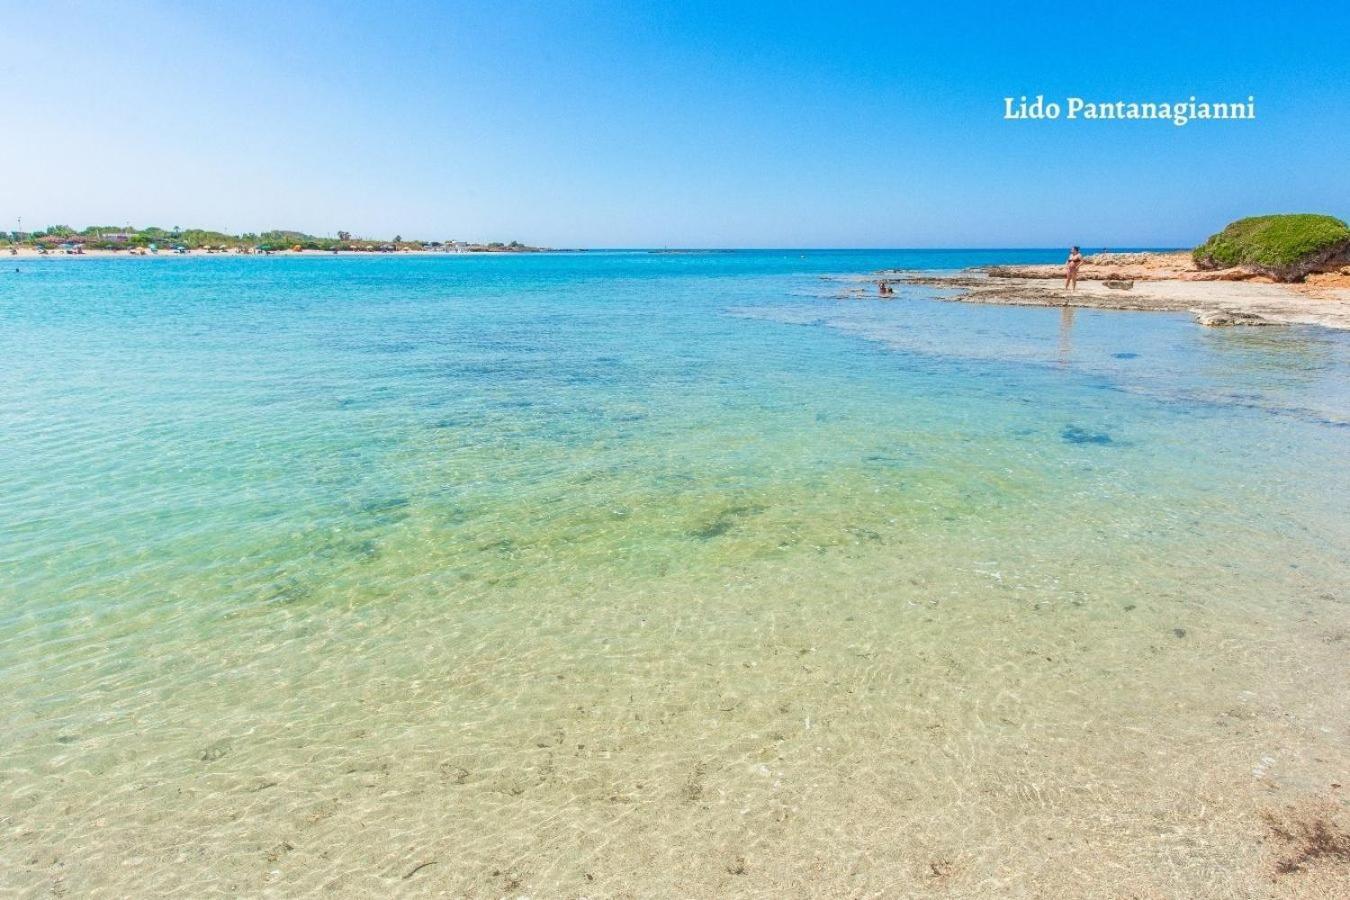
34,253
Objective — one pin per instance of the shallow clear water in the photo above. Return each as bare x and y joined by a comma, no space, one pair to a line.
654,573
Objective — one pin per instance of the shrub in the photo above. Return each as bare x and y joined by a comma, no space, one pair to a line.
1286,247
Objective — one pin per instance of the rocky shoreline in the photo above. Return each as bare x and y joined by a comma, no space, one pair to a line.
1154,282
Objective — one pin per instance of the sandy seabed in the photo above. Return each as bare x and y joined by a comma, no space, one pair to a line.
874,723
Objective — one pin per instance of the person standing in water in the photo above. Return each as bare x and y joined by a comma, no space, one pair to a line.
1071,270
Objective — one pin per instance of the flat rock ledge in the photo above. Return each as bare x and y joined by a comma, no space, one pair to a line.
1213,303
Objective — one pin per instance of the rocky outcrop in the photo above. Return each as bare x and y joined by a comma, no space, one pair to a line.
1216,318
1285,248
1125,267
1214,303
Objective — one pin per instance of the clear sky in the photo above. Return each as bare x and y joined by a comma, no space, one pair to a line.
669,124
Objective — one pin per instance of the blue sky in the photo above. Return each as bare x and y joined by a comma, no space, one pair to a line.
657,124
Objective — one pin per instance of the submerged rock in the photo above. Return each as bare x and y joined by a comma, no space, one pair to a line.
1217,318
214,751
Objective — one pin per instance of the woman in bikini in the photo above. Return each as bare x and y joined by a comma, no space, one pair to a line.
1071,272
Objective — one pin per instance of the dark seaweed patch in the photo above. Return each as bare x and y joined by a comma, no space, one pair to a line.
715,528
724,521
586,376
889,461
1074,434
288,589
364,550
1307,836
384,504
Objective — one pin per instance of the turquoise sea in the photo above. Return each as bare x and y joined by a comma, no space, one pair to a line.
645,574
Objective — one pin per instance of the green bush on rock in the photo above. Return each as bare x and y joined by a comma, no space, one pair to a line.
1285,247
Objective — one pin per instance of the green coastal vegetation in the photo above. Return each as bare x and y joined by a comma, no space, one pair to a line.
1285,247
117,237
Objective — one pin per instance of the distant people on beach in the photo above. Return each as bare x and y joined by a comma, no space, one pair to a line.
1071,270
884,289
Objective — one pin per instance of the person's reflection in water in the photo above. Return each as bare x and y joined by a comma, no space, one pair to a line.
1065,334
